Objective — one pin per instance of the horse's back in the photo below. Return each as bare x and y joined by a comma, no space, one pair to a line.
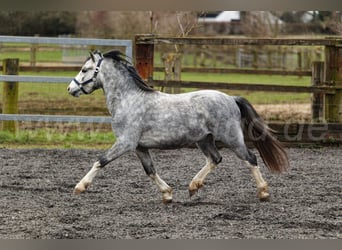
211,104
182,119
217,103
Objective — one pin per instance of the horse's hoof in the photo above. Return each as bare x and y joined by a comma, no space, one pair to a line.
192,192
193,187
167,196
78,191
167,201
80,188
263,196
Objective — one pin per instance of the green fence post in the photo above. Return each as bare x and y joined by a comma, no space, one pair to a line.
10,94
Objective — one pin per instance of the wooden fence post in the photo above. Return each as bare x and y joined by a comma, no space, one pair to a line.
255,58
333,77
318,99
144,59
172,64
33,55
238,57
10,94
284,58
300,60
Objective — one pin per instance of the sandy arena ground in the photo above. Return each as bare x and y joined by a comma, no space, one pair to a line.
36,199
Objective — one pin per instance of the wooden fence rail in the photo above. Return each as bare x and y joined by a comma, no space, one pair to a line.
242,71
328,107
153,40
245,86
40,68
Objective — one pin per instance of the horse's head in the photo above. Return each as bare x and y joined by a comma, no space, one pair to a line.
87,79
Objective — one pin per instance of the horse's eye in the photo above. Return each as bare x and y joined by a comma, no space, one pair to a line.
84,70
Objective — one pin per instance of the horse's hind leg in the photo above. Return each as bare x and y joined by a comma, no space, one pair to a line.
238,146
207,146
250,160
145,158
260,182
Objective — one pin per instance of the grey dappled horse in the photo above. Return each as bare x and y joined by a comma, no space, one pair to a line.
143,118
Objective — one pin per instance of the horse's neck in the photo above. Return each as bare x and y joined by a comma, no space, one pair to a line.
117,89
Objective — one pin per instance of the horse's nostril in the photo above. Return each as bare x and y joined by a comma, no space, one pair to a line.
68,88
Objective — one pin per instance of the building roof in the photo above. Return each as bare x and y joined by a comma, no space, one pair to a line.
224,16
228,16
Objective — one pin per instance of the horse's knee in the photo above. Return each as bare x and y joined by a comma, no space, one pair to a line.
217,159
103,160
149,169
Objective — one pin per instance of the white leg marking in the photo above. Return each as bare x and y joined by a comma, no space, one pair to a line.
163,187
260,183
198,180
87,179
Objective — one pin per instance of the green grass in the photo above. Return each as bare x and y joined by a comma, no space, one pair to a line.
255,97
246,78
41,56
53,98
51,138
44,89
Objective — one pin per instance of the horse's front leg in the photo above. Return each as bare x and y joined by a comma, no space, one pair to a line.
88,178
147,163
207,146
113,153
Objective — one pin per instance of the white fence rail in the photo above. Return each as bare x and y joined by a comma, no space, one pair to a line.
55,118
50,79
69,41
42,79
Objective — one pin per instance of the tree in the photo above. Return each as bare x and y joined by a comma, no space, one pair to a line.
260,23
44,23
332,22
126,24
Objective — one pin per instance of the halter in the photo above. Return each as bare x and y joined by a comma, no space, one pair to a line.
93,79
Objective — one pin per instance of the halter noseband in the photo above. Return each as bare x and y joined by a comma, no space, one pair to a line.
93,79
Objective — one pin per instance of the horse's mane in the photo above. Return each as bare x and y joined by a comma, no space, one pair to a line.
119,57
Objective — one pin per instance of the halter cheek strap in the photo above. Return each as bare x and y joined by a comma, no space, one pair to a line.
93,79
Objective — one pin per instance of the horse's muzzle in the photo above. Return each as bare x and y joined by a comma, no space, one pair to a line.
74,91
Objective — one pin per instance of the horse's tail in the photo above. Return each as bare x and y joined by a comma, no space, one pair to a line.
271,150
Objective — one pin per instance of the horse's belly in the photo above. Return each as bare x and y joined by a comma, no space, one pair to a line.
171,138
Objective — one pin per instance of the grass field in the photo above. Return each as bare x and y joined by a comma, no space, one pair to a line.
54,138
255,97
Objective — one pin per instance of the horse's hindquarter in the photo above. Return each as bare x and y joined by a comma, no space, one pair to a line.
180,120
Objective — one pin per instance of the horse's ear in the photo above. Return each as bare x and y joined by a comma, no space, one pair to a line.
92,56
